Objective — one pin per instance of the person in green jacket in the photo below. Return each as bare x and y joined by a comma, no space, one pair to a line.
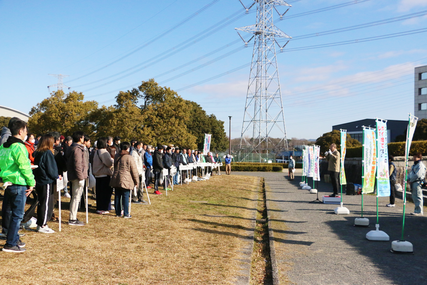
15,168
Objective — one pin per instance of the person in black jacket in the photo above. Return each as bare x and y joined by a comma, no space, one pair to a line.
167,163
46,174
157,168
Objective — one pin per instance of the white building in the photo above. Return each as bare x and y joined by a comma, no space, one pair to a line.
420,92
9,112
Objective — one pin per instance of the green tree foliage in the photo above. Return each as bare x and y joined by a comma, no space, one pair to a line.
163,117
64,113
200,124
335,137
4,121
165,121
124,119
420,133
150,93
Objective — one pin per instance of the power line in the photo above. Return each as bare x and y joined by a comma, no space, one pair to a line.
205,31
152,41
183,45
122,36
387,36
176,50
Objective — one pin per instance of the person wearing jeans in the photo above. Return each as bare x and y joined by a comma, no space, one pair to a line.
15,168
124,179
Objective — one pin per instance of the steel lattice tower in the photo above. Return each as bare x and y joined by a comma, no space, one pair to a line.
60,85
263,113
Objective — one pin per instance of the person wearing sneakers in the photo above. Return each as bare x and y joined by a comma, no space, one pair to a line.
15,168
415,179
77,173
392,171
125,178
333,158
46,174
157,168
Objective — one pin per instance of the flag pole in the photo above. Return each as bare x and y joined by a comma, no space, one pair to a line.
362,221
377,235
402,245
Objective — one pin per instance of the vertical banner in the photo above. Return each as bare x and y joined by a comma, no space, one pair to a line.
343,180
305,160
207,144
310,161
412,125
383,177
316,175
369,161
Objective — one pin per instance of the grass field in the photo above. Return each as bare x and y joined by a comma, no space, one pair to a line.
192,236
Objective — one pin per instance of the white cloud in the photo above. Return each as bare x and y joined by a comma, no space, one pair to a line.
321,73
349,85
391,54
414,21
223,90
406,5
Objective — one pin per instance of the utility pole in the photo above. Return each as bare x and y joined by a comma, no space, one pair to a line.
60,85
229,135
263,115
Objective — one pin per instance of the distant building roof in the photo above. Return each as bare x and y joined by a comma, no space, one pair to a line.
9,112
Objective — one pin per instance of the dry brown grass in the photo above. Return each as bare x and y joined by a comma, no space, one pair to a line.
173,241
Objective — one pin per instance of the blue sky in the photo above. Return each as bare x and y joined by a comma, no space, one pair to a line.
107,46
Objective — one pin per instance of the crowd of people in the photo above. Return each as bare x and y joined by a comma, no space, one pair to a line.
29,162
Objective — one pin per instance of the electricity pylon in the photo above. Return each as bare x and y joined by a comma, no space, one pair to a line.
60,85
263,116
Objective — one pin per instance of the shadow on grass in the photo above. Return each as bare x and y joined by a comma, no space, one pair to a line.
215,232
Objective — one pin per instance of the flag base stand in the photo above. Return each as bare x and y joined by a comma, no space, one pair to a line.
313,191
402,246
361,222
341,210
331,200
377,235
306,187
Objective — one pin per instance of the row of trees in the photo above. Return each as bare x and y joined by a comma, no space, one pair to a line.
150,113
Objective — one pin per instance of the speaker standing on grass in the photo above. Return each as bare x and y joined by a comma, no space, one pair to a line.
15,167
125,178
333,158
46,174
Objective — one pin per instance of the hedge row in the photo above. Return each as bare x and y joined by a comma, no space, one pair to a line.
394,148
264,167
283,165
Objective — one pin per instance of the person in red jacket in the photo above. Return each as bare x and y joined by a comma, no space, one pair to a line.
29,144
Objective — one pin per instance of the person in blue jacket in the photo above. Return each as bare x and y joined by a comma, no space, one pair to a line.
148,162
228,164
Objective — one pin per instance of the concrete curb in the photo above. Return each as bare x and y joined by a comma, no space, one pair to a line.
244,277
275,270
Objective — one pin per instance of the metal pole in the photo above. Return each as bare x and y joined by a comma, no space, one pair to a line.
229,135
